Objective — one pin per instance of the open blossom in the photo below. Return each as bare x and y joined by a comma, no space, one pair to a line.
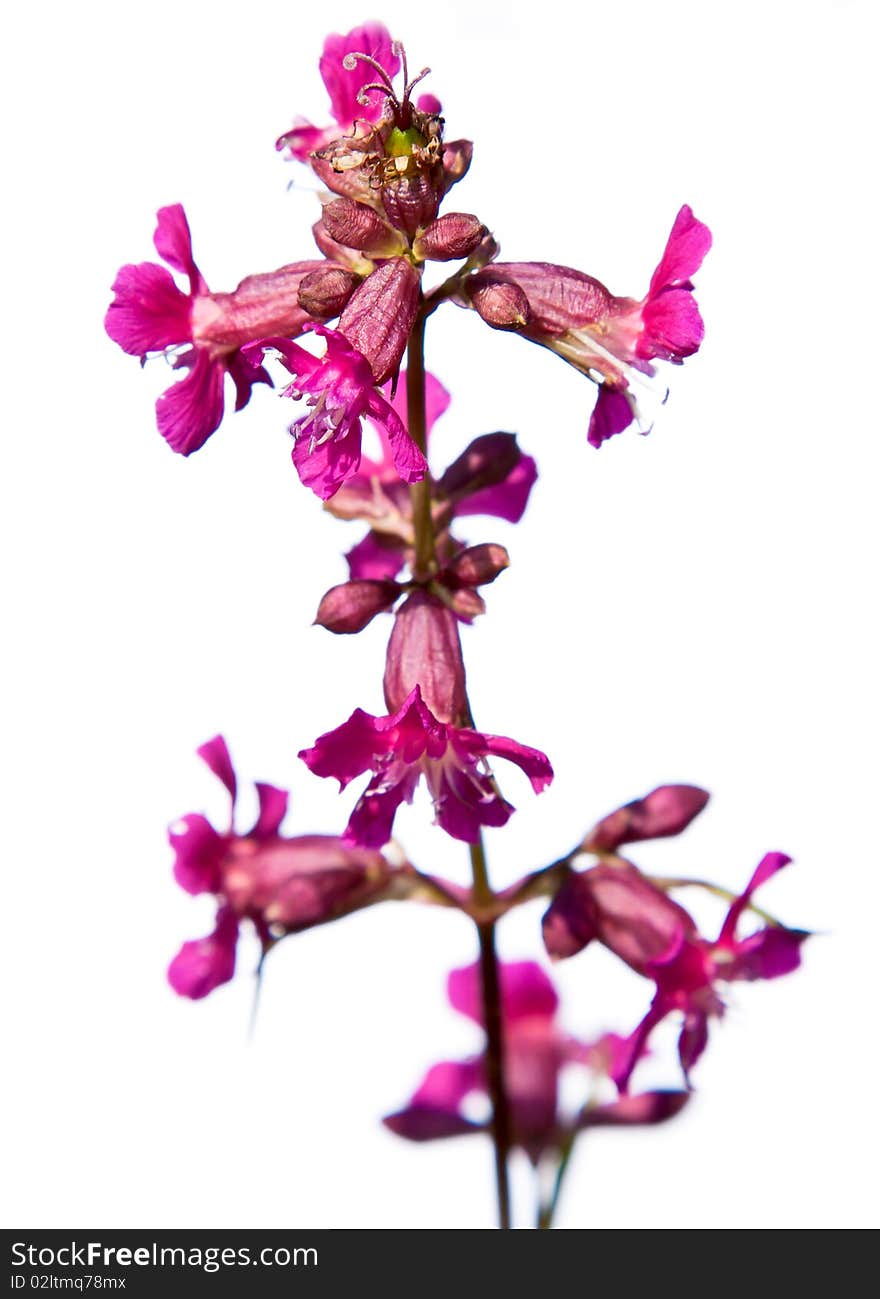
343,83
492,476
536,1051
627,912
340,391
611,339
150,314
406,746
280,884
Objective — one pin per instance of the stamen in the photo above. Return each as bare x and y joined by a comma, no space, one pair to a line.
411,85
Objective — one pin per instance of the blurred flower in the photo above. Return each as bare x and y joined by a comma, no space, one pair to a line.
536,1051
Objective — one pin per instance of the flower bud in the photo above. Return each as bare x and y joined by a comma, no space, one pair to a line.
324,293
411,202
424,650
502,305
454,235
380,315
666,811
352,605
354,225
478,565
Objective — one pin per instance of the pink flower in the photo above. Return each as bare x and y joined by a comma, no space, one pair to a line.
343,86
658,938
341,391
536,1052
492,476
150,314
611,339
281,885
410,744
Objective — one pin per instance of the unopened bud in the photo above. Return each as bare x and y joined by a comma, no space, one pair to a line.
354,225
380,315
352,605
454,235
324,292
501,304
479,565
425,651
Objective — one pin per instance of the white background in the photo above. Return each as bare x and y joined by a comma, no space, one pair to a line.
696,606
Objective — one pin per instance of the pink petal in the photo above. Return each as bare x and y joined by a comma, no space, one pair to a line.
611,415
174,245
215,755
191,410
767,867
198,853
325,467
201,966
376,558
673,326
649,1107
426,1123
693,1039
534,763
372,819
507,499
526,992
343,86
687,245
273,809
409,462
437,399
149,312
767,954
347,751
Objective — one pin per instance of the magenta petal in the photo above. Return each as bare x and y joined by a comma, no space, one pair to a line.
693,1039
611,415
348,750
437,399
326,466
372,819
688,243
191,410
149,312
343,85
507,499
201,966
534,763
198,853
426,1123
374,560
446,1084
174,244
649,1107
244,376
408,459
526,992
673,326
768,954
273,809
767,867
465,801
215,755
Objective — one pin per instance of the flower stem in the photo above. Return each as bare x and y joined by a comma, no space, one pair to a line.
420,493
424,566
491,985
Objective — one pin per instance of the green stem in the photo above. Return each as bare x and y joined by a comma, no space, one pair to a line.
420,493
424,566
546,1211
494,1025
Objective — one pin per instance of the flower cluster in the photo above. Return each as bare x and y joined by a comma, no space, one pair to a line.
341,325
